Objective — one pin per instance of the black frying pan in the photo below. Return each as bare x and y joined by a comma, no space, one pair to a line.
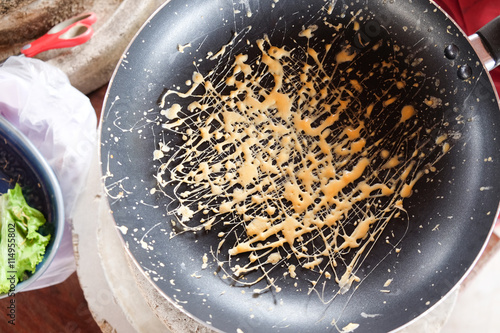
424,252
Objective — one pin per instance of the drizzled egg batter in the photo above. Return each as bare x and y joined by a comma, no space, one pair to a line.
301,159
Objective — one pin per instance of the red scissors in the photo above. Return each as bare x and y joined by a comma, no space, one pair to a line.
74,31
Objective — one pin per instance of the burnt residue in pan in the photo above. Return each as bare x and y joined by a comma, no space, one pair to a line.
296,157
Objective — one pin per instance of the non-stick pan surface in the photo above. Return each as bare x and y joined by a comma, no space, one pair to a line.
423,254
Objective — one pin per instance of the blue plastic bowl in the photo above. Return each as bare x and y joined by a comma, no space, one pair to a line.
21,162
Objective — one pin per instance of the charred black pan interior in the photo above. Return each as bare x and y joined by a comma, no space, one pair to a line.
424,251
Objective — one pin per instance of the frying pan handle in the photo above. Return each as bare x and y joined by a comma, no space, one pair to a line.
490,38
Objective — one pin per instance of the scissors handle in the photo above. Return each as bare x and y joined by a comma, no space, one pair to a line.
74,31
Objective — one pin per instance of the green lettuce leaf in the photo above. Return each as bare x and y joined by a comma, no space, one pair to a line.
22,247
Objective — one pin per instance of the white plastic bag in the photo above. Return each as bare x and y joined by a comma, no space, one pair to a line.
60,121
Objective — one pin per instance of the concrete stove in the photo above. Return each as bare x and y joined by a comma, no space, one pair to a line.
88,66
